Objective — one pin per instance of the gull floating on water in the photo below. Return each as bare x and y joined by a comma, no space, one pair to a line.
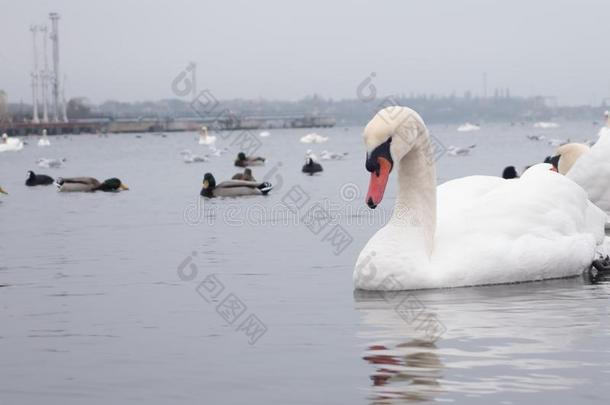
314,138
188,157
214,151
459,151
326,155
546,125
468,127
51,163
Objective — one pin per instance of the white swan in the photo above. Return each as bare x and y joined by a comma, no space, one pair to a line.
314,138
10,144
484,230
44,140
546,125
589,168
468,127
204,138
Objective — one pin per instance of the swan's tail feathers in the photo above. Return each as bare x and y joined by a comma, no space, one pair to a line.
265,187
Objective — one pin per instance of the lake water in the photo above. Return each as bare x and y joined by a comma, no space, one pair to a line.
155,296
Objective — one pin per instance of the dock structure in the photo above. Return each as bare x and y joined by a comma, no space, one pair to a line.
228,122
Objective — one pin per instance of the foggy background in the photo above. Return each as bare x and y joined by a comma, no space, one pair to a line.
131,50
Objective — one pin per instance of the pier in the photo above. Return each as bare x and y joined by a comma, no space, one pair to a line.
131,125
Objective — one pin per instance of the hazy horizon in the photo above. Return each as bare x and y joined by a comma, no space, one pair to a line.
131,51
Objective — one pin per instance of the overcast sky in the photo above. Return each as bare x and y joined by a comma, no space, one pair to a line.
131,50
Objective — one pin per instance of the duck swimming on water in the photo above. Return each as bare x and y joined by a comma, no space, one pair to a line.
38,179
87,184
510,173
246,175
311,167
232,188
245,161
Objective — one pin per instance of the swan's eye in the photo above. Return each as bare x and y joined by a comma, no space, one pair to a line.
382,151
372,165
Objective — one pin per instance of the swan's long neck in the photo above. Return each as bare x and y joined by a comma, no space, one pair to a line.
415,206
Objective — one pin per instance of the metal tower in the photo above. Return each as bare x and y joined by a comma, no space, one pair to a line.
45,76
56,85
35,120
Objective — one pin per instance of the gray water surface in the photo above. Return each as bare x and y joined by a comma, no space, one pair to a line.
151,295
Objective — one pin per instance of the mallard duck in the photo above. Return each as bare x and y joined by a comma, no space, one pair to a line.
310,167
246,175
38,179
89,184
245,161
232,188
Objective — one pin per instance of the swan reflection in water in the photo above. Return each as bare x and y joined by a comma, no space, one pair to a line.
408,370
497,342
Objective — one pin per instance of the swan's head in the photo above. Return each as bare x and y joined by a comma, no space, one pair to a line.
567,155
388,137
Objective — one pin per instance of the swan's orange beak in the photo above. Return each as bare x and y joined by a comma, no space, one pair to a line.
379,179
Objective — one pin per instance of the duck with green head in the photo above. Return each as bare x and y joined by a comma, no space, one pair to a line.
232,188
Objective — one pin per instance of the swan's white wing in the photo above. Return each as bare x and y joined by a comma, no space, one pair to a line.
537,227
592,172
